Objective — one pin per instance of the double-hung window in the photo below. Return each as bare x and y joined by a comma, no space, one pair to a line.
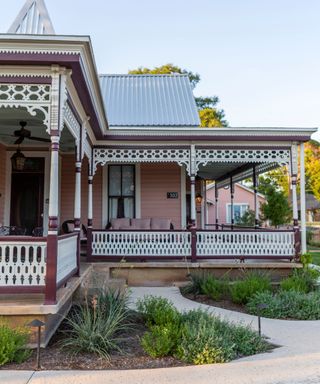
121,191
238,211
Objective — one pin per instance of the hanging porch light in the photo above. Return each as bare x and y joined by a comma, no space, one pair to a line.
18,160
199,198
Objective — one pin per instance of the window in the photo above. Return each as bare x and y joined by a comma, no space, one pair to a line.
121,191
238,212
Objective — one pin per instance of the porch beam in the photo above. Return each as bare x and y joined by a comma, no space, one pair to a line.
303,201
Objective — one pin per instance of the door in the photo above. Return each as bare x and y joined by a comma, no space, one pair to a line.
27,189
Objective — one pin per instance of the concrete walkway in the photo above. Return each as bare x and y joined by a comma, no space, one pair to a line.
297,361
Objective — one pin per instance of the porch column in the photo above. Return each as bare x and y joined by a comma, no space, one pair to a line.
294,172
202,204
90,210
77,196
303,201
52,239
205,206
256,201
216,191
231,199
193,200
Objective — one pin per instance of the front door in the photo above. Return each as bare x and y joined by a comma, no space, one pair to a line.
27,188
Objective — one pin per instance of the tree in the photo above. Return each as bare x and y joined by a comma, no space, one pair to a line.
312,165
276,209
247,219
209,114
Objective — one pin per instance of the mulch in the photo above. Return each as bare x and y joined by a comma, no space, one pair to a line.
225,303
132,356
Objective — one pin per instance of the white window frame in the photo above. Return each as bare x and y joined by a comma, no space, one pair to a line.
228,210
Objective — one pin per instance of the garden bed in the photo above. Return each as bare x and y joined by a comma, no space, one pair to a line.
132,356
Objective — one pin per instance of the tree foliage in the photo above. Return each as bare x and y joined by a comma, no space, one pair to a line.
312,165
209,114
276,209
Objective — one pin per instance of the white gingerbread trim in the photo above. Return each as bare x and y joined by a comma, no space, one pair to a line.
102,156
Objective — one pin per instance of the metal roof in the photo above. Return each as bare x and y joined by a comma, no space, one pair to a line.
33,19
149,100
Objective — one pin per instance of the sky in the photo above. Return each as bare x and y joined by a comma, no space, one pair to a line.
260,57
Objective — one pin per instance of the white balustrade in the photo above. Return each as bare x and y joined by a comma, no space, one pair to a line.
141,243
67,256
22,263
253,243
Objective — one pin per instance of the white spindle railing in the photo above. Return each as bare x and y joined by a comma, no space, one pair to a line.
242,244
67,256
141,243
22,263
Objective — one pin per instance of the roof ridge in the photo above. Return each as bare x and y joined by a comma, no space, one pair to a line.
142,74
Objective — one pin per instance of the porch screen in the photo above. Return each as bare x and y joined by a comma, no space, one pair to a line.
121,191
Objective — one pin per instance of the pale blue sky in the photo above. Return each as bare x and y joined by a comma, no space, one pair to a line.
261,57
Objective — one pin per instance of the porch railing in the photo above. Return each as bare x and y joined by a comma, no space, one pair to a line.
22,261
194,244
66,256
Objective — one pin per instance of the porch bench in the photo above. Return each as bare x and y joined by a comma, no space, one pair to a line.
153,223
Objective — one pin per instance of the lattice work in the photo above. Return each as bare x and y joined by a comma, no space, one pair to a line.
72,123
37,93
67,257
105,155
141,243
22,263
205,156
33,97
248,243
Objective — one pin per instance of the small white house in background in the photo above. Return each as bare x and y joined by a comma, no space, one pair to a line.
243,201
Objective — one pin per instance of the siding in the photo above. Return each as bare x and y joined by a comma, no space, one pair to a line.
67,192
156,181
2,182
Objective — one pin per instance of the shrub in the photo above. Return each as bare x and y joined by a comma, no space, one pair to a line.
161,340
253,282
306,259
158,311
213,287
194,286
95,326
206,339
300,280
13,344
286,304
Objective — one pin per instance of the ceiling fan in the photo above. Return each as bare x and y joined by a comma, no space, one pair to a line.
24,133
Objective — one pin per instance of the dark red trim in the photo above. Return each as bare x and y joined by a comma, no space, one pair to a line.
67,235
139,230
193,245
90,223
22,289
51,275
25,80
53,223
25,239
157,258
89,244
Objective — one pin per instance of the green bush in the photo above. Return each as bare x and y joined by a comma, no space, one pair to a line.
194,286
95,326
286,304
161,340
252,282
158,311
13,344
301,280
206,339
306,259
213,287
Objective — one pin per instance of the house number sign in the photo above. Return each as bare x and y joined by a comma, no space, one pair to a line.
172,195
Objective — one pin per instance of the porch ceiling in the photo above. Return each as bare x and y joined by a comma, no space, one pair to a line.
9,122
214,171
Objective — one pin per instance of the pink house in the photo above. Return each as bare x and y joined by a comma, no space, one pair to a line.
91,150
244,199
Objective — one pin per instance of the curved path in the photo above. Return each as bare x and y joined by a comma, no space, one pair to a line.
296,361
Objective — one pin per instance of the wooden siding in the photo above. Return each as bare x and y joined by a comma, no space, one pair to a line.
2,182
156,181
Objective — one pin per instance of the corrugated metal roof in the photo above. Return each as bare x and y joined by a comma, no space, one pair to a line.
149,100
33,19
